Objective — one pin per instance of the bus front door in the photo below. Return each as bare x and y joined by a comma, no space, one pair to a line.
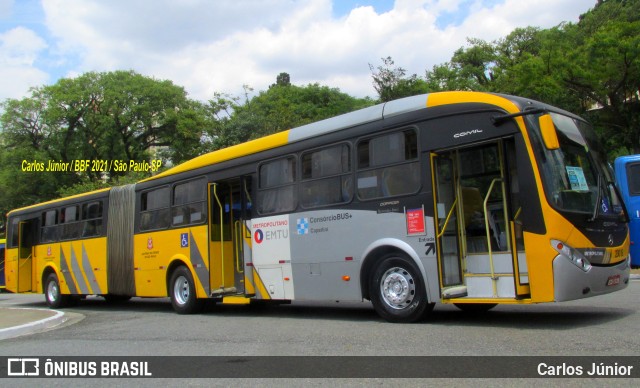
26,241
480,251
230,211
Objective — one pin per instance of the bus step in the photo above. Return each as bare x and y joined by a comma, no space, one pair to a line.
454,292
223,291
236,300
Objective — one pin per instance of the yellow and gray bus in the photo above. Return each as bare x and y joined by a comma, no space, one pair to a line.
464,198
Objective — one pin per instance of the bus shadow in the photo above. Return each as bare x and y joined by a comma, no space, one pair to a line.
532,317
338,312
98,304
555,317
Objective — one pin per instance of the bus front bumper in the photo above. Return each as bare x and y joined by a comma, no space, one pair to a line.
571,282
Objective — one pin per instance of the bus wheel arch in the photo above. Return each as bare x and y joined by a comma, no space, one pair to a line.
182,290
52,292
396,286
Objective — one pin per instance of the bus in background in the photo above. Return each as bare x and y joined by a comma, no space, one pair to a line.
2,246
627,170
464,198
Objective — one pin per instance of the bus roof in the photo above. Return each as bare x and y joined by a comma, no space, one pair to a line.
347,120
374,113
58,200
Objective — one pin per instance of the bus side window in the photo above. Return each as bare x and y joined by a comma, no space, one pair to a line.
633,179
92,219
189,202
71,228
276,190
326,177
155,209
12,242
388,165
48,230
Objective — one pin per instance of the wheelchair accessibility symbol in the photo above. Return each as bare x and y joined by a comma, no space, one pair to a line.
184,240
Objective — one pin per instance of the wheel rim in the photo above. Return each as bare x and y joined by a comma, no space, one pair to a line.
52,291
397,288
181,290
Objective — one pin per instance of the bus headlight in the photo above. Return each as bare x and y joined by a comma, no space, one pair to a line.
572,255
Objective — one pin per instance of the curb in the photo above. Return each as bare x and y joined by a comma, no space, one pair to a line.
57,319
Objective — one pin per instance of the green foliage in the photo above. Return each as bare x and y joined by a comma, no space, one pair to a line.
591,68
392,83
115,116
283,106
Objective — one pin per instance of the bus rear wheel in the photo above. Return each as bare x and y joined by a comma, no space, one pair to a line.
52,293
182,292
398,293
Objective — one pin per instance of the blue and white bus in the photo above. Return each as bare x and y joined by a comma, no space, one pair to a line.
628,178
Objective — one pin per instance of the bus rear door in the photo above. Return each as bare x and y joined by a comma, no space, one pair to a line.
230,204
27,231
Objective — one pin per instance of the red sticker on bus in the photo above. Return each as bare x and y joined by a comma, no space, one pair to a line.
415,221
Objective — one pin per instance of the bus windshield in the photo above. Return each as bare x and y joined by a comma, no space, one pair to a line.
575,176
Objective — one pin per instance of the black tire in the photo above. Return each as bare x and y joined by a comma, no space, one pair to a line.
397,290
182,292
52,293
475,308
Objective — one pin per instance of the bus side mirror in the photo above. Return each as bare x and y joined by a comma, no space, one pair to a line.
548,130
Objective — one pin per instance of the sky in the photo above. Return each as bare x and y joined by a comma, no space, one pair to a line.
209,46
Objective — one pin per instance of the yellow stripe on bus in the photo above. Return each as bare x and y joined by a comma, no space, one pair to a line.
236,151
448,98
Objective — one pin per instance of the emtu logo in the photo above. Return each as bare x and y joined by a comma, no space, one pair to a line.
258,236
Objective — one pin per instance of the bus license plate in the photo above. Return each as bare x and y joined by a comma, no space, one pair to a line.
613,280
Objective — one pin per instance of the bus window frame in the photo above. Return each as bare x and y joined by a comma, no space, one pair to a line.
629,174
341,176
414,163
53,227
202,202
73,225
291,184
167,208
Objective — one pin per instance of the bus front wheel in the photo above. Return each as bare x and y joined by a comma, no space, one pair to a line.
182,292
53,294
397,291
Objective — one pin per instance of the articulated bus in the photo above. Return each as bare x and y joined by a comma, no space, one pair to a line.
627,170
463,198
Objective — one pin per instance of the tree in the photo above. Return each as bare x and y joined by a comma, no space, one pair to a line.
590,68
283,79
392,82
116,116
470,68
285,106
605,70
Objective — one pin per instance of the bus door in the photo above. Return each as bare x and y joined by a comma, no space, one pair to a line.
2,281
481,249
230,213
26,241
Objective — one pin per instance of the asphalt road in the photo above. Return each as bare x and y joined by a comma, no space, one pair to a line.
601,326
605,325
